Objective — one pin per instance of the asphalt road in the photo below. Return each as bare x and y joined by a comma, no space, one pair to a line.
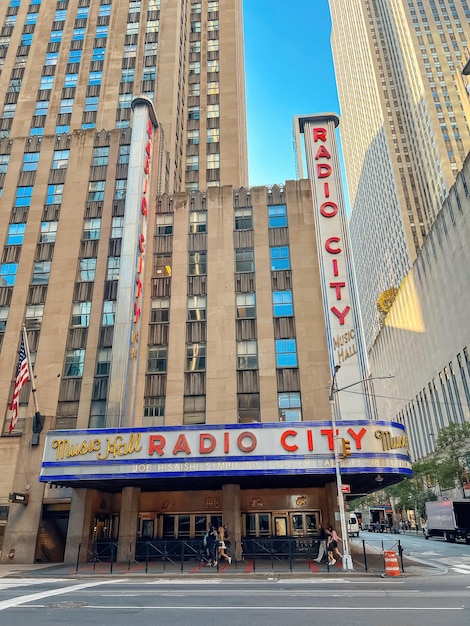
435,551
348,601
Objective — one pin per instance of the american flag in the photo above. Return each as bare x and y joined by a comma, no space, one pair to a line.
22,377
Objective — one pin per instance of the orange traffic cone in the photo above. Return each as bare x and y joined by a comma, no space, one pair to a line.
391,563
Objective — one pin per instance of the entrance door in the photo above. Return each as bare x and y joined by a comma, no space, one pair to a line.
304,524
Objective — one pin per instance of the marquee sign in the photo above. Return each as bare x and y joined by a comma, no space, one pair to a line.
223,450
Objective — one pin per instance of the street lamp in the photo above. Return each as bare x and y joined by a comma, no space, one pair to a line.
347,560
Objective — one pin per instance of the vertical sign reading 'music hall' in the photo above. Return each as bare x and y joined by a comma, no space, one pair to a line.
337,277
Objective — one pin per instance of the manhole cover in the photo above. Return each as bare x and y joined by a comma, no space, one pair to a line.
67,605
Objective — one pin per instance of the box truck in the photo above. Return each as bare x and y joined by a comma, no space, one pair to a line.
449,519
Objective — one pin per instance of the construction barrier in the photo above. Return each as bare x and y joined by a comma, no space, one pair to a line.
391,563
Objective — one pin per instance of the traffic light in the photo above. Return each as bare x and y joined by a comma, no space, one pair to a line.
346,447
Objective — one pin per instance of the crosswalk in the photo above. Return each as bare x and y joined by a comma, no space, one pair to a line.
15,583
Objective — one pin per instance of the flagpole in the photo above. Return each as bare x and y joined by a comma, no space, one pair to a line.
30,369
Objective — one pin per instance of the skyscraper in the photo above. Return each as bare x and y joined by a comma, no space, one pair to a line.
404,128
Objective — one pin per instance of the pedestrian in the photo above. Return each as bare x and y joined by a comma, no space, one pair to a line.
222,538
211,546
333,553
324,535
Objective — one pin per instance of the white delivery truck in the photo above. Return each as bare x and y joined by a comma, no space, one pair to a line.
449,519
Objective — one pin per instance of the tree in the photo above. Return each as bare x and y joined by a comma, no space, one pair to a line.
453,453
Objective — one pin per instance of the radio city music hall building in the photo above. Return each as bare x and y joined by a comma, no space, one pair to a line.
201,392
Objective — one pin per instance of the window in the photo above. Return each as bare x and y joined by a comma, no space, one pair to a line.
54,194
87,269
213,135
247,355
277,216
91,228
213,110
120,190
245,260
98,54
213,161
197,308
160,310
58,129
114,265
127,75
165,224
105,9
103,362
95,78
213,5
154,407
23,196
212,66
96,191
162,266
195,47
193,113
192,163
289,407
198,222
197,264
286,353
109,310
194,410
41,272
244,218
51,58
78,34
42,107
213,88
91,103
4,310
102,31
8,274
75,56
66,105
282,304
248,408
82,13
149,74
46,82
130,51
212,25
246,306
195,67
56,35
74,362
195,27
124,101
280,258
195,357
15,84
157,358
48,232
100,156
124,152
117,227
4,160
9,111
15,234
193,136
60,159
195,7
34,315
27,38
212,45
81,314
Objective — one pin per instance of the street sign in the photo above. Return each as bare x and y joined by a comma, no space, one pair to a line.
22,498
346,488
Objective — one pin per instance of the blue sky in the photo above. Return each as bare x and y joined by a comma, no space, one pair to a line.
289,71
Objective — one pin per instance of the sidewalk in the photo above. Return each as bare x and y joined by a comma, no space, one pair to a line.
241,569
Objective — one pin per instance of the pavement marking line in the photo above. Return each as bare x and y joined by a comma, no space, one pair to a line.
276,608
8,604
